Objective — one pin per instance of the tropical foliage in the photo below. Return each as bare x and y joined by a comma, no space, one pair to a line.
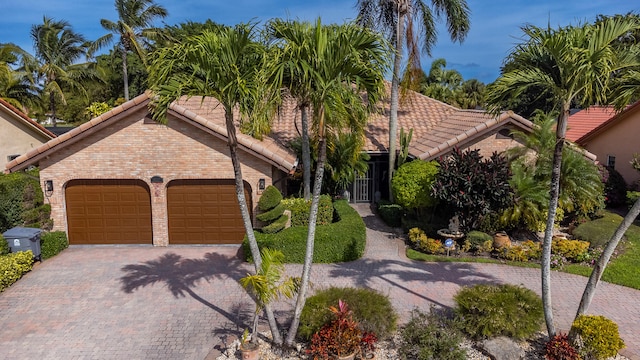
133,27
472,185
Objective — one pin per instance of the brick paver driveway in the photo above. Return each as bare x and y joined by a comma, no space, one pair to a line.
182,302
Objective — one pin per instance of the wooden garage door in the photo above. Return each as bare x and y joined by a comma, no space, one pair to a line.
205,212
108,212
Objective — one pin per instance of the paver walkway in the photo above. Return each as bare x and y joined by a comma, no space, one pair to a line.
182,302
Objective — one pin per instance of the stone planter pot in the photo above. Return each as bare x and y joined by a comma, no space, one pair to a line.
250,351
501,240
347,357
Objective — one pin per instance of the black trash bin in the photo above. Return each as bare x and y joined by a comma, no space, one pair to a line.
23,239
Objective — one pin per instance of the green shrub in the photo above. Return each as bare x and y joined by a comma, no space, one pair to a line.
13,266
4,246
390,213
22,201
300,210
632,197
343,240
431,336
598,336
560,348
524,252
411,184
272,214
276,226
489,310
615,188
52,243
270,198
477,239
372,310
572,250
424,243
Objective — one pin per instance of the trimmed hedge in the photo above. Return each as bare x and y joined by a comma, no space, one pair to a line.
390,213
13,266
52,243
276,226
270,198
300,210
272,214
371,310
343,240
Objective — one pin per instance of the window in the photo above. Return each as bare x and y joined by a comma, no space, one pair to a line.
611,161
11,157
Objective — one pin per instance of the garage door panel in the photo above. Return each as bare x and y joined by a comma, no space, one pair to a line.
108,212
204,212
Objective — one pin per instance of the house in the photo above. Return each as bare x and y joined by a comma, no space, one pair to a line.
123,178
18,133
611,136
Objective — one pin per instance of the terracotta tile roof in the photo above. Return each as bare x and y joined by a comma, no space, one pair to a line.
210,117
30,122
437,127
584,121
614,117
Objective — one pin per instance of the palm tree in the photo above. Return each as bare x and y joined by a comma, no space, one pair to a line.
337,63
58,48
17,85
224,65
135,18
413,21
574,65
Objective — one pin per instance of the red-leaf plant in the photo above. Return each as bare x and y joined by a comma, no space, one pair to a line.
340,337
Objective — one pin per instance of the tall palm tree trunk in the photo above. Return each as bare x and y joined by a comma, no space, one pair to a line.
308,260
125,75
602,262
551,216
393,108
246,216
306,152
52,109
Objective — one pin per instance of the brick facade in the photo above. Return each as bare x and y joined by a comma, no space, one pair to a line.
130,147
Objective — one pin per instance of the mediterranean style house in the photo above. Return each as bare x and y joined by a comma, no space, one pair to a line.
124,178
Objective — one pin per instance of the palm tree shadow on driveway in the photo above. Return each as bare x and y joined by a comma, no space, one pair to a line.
182,275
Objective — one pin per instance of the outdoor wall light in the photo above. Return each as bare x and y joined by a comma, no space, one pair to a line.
157,180
48,187
261,184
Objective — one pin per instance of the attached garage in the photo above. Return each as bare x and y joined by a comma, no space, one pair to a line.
108,212
205,212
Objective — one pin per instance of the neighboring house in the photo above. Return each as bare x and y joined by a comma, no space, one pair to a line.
612,137
123,178
18,133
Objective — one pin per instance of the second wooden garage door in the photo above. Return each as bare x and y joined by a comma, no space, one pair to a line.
204,212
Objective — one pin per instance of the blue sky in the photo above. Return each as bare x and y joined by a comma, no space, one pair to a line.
495,24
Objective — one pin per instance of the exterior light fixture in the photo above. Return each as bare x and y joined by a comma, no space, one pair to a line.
48,187
261,184
157,180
